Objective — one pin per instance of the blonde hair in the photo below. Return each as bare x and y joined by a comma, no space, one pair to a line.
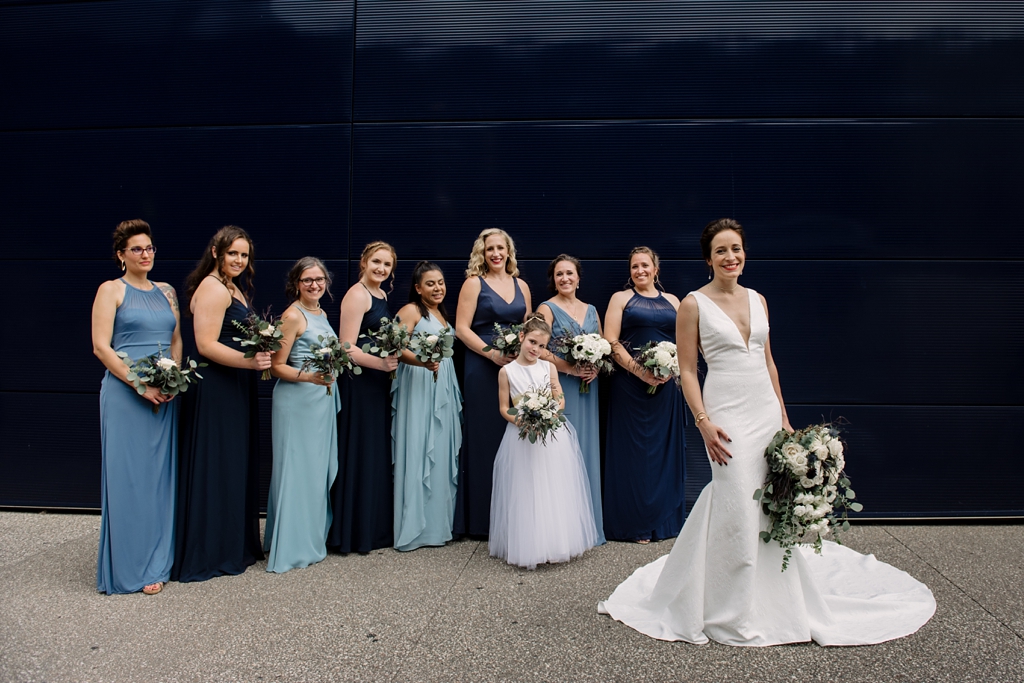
368,251
476,257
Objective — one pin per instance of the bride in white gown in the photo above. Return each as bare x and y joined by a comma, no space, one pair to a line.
721,581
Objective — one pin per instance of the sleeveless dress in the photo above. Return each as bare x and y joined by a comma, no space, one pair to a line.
426,434
483,423
582,409
721,581
644,494
363,493
140,453
305,436
540,508
217,529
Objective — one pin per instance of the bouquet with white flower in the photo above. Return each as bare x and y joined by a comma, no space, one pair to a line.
433,348
658,358
157,370
585,350
330,358
807,493
262,333
389,340
505,340
537,414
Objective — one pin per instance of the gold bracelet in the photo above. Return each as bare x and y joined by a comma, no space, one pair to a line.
698,417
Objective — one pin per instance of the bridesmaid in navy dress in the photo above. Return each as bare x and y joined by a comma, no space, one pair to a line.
567,315
492,293
218,529
362,498
139,317
644,496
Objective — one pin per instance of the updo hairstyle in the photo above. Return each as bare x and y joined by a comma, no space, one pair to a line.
291,286
477,262
420,269
369,249
535,322
715,227
126,230
654,259
558,259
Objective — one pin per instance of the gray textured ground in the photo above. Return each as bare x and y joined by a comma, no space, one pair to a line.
454,613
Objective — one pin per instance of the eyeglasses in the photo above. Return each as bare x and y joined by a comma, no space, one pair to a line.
137,251
308,281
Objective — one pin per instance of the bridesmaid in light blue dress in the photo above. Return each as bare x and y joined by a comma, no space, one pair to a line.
140,447
567,315
305,429
426,427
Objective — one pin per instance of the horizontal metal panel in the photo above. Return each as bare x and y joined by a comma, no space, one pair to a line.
520,59
288,186
138,63
803,189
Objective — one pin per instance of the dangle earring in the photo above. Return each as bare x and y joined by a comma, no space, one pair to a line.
123,266
709,275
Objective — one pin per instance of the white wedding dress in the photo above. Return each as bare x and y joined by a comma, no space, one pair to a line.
721,581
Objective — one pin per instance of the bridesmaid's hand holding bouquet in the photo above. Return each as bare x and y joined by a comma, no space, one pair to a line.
433,348
659,359
331,359
262,334
390,339
505,341
161,372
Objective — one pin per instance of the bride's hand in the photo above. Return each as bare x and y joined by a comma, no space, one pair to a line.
715,439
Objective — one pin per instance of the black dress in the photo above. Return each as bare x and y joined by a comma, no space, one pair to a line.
217,528
362,498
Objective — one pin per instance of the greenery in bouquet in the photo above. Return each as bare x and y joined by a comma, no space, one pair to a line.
807,493
658,358
433,348
537,414
583,351
505,340
166,374
390,339
330,358
261,333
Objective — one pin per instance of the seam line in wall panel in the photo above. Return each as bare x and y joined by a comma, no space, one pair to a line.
351,145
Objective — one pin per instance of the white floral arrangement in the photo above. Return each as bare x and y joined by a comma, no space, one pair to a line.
505,340
807,493
585,350
433,348
537,414
660,359
331,358
158,370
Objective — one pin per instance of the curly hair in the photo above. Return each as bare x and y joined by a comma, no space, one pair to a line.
477,266
126,230
291,286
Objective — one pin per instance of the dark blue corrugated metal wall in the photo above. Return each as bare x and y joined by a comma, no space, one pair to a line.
870,148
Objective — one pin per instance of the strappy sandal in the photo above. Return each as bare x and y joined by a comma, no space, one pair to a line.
153,588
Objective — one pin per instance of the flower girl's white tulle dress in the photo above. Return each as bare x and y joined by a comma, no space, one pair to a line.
721,581
541,509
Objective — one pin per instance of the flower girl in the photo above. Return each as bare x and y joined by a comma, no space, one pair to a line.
541,509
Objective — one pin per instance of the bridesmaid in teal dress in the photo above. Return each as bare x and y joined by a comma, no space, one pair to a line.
426,427
305,429
140,447
567,315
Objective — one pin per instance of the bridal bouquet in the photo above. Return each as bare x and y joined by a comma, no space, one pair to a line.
262,333
505,340
330,358
807,492
658,358
389,340
157,370
433,348
585,350
537,414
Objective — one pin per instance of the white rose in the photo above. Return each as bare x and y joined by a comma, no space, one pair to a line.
663,358
821,452
815,444
546,414
835,447
432,339
269,332
799,510
166,363
510,337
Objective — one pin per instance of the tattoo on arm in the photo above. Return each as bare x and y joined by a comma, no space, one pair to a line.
172,298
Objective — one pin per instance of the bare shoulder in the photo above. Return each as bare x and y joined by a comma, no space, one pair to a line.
471,286
168,291
672,299
357,295
213,289
410,315
764,302
688,305
522,285
292,315
620,298
111,288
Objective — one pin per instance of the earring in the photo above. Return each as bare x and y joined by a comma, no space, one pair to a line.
709,276
123,266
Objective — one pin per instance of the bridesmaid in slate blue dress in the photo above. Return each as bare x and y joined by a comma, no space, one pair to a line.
305,429
567,315
139,317
492,293
426,426
644,496
217,530
362,495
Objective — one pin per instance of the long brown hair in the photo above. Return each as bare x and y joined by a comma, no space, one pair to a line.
220,242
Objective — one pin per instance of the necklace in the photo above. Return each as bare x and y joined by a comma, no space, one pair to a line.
726,291
573,308
311,310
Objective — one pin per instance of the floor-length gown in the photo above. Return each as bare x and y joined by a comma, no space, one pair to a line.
140,451
582,410
217,530
721,581
426,434
644,478
540,507
363,493
483,423
305,435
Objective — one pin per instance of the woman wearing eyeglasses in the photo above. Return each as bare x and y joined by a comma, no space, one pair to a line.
138,317
305,428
